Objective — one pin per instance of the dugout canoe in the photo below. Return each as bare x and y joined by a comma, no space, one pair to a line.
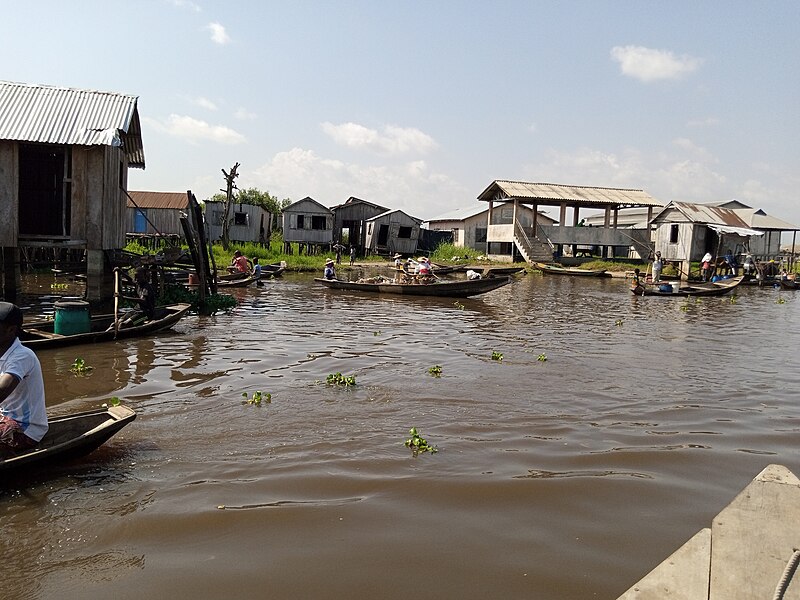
715,288
41,334
551,269
72,436
461,288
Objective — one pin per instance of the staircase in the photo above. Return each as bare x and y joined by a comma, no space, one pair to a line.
532,250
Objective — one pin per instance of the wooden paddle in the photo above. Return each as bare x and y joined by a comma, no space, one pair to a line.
116,301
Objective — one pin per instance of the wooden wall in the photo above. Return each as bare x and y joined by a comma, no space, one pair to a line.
9,186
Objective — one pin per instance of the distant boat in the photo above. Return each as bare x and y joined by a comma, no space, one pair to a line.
461,288
551,269
41,334
72,436
715,288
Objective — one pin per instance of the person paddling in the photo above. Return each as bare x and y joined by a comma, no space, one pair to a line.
23,416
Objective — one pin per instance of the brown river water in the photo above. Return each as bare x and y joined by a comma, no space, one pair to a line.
564,478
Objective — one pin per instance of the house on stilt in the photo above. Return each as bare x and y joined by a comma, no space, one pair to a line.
64,160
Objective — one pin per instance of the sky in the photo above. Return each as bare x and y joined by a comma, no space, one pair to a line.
419,106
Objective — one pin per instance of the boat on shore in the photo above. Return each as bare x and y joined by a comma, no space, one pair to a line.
551,269
41,334
72,436
713,288
460,288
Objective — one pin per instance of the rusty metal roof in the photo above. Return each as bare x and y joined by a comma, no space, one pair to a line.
174,200
704,214
555,193
58,115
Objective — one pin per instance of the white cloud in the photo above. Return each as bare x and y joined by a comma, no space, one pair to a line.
218,34
205,103
245,115
193,129
646,64
409,186
392,140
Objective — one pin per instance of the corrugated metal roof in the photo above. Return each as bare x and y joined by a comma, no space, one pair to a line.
178,200
758,219
704,214
57,115
576,194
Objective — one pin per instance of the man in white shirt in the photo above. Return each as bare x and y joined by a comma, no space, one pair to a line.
23,416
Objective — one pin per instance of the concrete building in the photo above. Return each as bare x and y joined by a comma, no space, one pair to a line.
469,226
542,242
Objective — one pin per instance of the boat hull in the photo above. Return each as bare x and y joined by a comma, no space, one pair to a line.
454,289
717,288
72,436
40,334
559,270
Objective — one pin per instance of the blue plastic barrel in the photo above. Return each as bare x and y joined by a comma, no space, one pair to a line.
72,316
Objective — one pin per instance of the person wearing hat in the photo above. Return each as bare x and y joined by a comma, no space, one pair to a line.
23,416
425,273
658,265
329,271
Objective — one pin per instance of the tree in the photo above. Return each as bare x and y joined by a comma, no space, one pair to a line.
226,204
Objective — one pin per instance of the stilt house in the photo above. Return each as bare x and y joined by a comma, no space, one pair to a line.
392,231
543,242
350,222
309,224
247,222
64,160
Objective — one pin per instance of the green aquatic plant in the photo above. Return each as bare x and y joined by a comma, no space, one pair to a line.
498,356
733,299
418,444
458,305
685,307
618,323
59,286
339,379
780,300
257,398
376,333
113,401
79,367
435,370
542,357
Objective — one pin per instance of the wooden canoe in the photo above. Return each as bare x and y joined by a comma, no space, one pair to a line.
72,436
461,288
41,334
789,284
715,288
551,269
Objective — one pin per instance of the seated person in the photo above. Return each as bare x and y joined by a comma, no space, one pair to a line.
329,272
239,263
145,296
23,416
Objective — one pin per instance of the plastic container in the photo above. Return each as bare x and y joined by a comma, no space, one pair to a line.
71,317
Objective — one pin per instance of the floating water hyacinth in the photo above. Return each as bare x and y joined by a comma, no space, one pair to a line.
418,444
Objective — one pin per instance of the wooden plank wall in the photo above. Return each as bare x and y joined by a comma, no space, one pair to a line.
9,191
